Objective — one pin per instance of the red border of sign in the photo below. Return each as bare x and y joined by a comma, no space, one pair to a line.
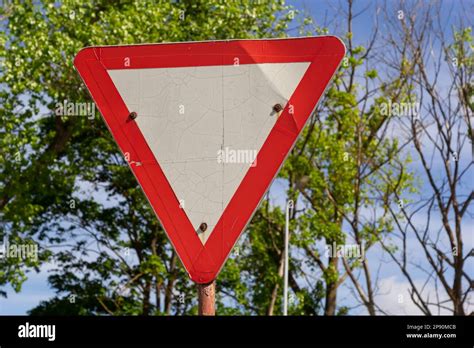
203,262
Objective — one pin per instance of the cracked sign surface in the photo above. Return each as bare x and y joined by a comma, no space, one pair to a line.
192,118
215,121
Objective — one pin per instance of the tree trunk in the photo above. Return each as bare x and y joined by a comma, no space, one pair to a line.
170,285
271,307
331,289
458,308
146,298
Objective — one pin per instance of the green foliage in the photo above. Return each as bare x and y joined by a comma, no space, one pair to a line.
341,165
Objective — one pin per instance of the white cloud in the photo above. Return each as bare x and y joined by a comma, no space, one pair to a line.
394,297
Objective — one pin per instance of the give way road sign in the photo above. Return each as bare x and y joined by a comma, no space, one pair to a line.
205,127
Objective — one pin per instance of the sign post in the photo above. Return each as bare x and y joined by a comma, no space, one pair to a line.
205,127
206,299
289,207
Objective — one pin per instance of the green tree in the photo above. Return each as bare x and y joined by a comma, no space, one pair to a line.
345,175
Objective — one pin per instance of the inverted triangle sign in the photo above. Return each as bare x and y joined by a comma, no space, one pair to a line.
205,127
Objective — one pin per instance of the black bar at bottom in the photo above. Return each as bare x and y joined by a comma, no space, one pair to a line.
363,330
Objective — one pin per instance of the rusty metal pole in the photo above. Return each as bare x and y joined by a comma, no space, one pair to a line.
207,299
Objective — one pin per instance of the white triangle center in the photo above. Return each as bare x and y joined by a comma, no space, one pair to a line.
206,125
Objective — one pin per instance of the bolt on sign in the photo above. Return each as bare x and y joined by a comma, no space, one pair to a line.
205,127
